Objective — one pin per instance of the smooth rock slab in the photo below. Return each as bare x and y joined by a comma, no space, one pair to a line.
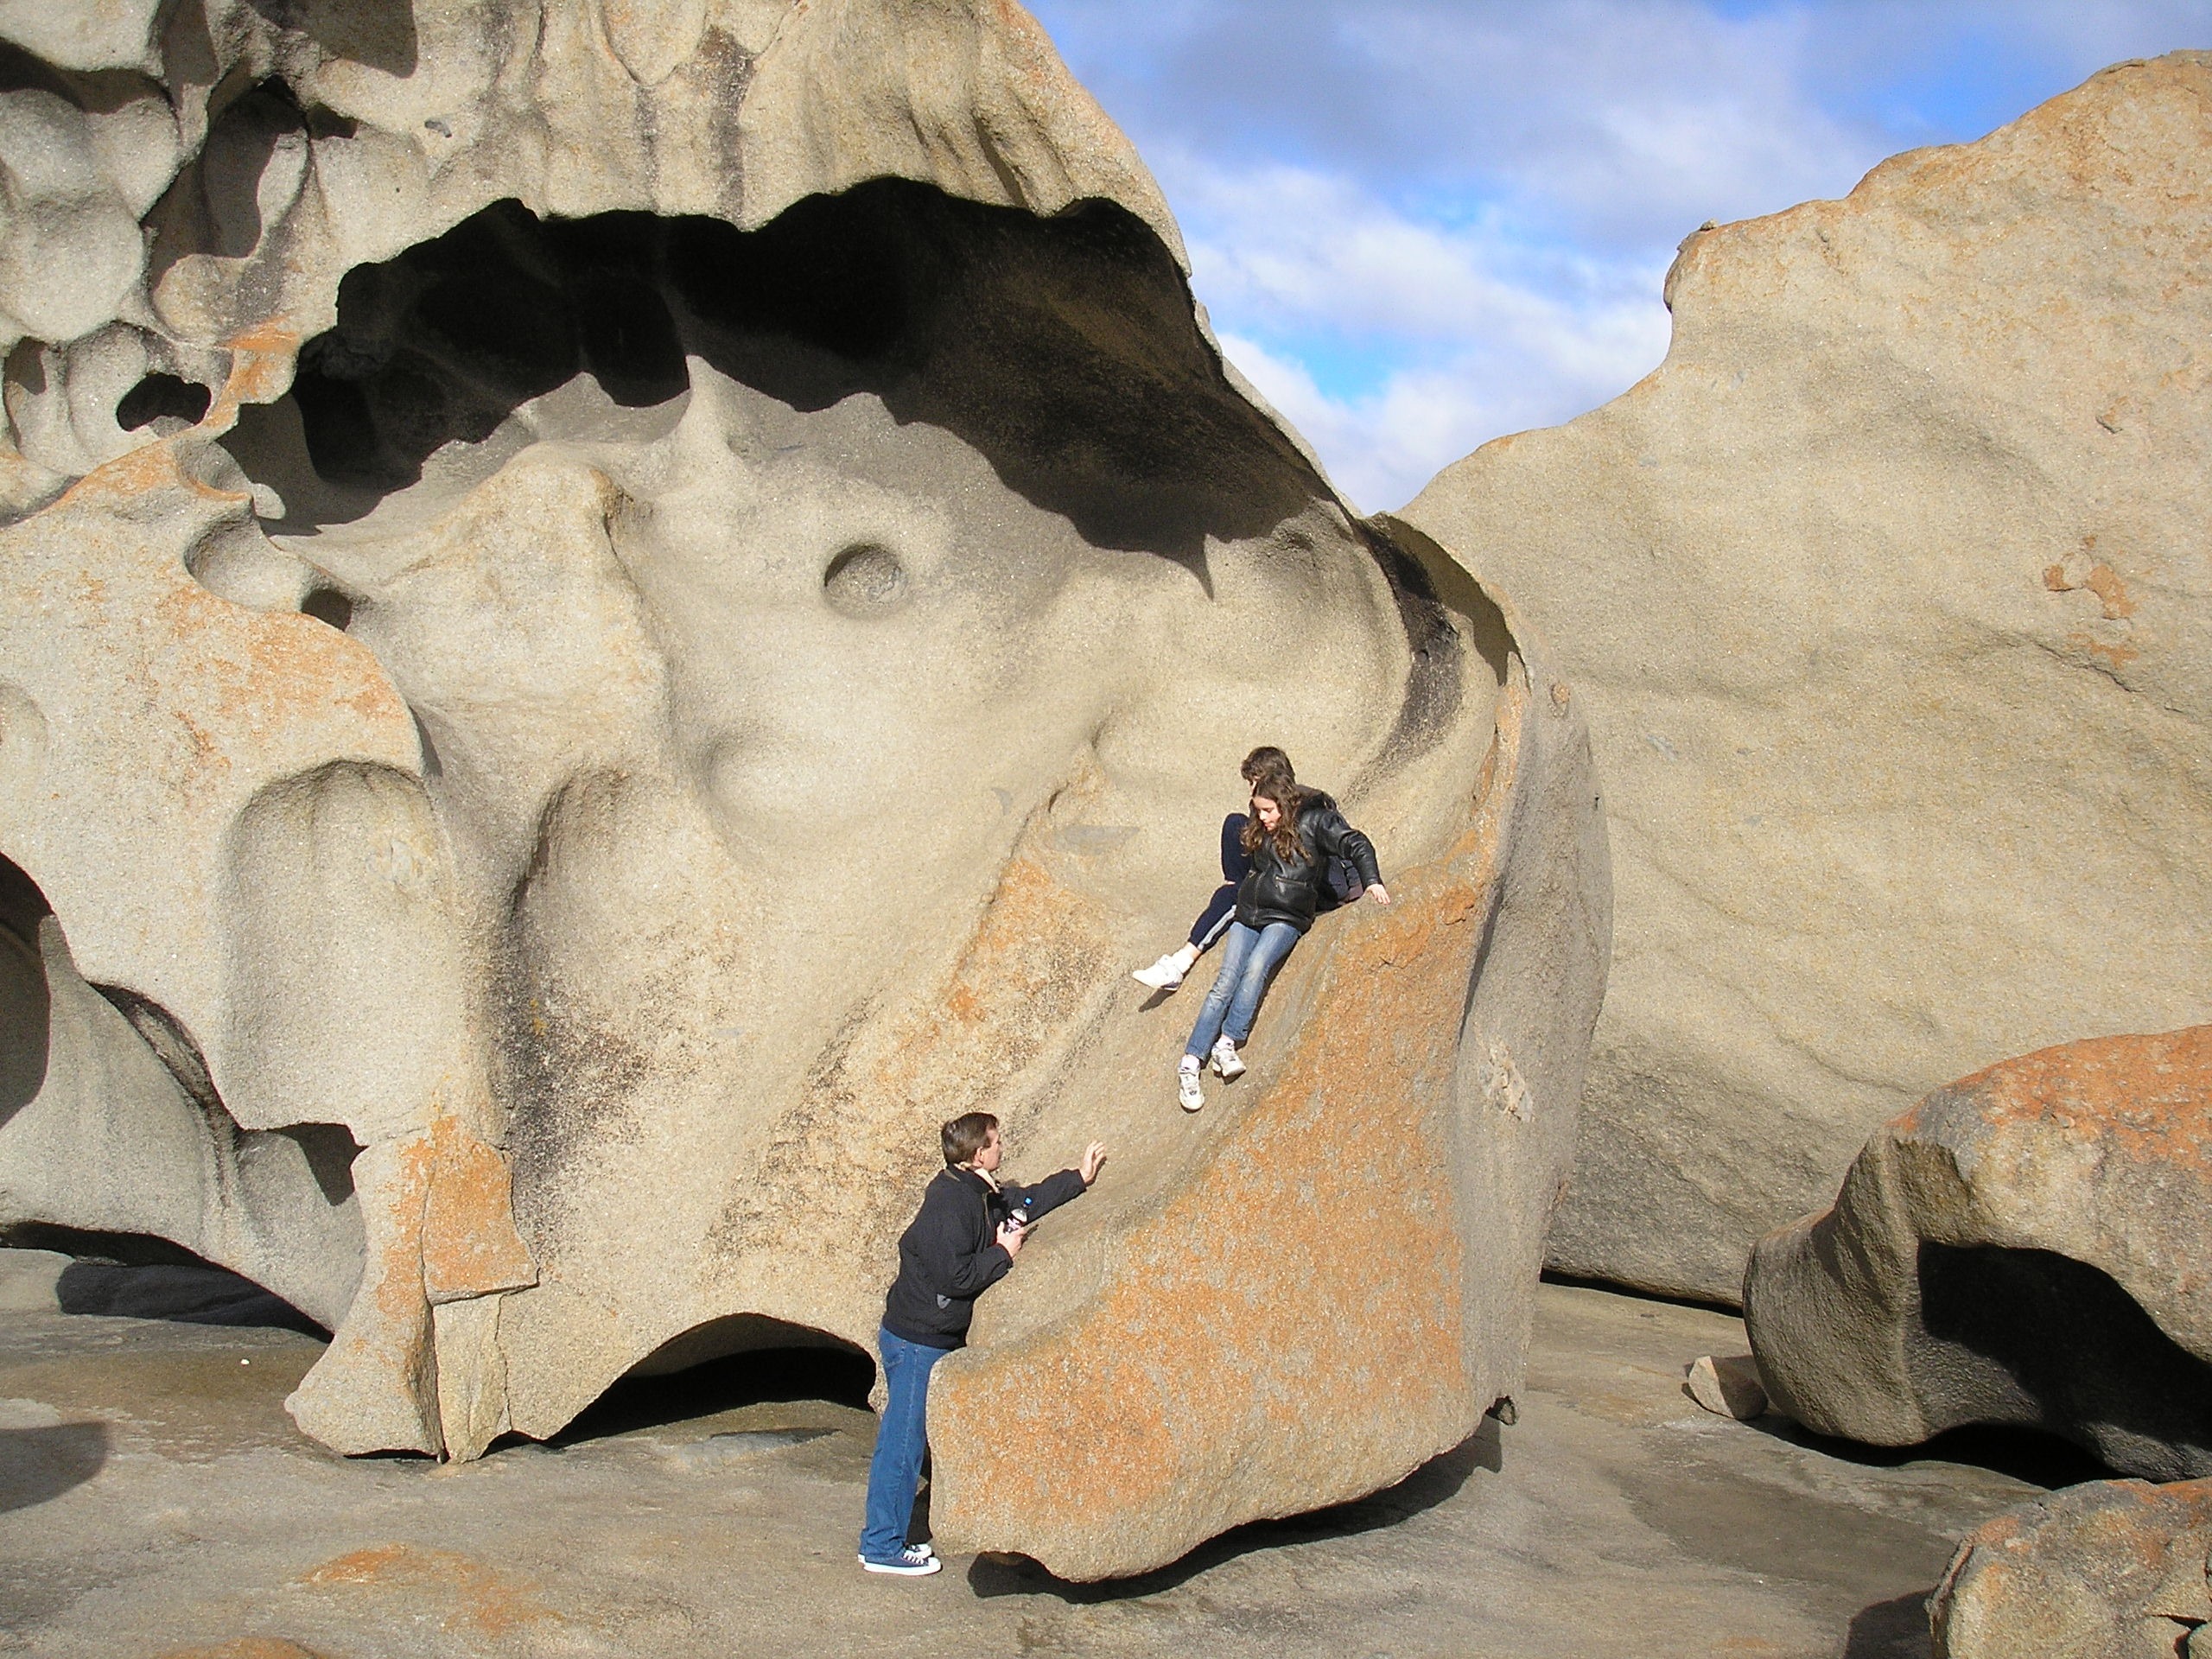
1888,597
1614,1505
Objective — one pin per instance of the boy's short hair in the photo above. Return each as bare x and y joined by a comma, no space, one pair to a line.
1269,760
966,1135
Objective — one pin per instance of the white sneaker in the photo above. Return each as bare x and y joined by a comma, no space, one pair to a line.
1225,1062
1186,1085
1163,976
913,1562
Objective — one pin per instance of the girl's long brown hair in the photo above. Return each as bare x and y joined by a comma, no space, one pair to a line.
1275,784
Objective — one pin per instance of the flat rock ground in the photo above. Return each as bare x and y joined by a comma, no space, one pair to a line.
155,1502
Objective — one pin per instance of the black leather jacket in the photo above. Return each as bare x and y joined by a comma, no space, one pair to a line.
1272,890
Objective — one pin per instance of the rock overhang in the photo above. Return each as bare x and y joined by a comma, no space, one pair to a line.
482,805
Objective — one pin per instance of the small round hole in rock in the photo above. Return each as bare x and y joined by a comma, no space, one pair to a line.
864,580
328,605
158,395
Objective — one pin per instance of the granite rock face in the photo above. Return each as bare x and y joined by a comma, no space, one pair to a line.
609,612
2114,1569
1886,599
2025,1246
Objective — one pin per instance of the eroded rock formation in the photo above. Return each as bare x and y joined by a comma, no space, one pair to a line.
1887,597
2025,1246
2114,1569
611,612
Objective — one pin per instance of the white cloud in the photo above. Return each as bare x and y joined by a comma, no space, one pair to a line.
1464,333
1421,224
1382,447
1622,120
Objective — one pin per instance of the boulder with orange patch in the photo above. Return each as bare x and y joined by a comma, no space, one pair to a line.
2113,1569
2025,1246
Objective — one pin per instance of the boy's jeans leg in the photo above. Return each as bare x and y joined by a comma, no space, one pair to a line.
1213,921
894,1474
1215,1008
1274,944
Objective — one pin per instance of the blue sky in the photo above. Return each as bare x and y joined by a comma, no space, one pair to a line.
1419,224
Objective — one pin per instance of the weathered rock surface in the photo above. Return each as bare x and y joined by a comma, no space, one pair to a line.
2026,1246
613,611
1887,596
2114,1569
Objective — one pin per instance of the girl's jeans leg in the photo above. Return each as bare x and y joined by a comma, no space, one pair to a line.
894,1474
1239,940
1275,940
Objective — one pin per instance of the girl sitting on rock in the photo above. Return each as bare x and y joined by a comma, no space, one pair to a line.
1290,837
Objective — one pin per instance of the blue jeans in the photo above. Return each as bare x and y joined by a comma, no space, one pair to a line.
894,1474
1248,962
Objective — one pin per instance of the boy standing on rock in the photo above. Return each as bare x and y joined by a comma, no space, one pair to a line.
963,1240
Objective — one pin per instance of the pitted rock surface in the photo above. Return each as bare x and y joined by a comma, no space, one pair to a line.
610,611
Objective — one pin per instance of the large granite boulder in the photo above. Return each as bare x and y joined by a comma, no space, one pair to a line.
609,613
2114,1569
2026,1246
1889,600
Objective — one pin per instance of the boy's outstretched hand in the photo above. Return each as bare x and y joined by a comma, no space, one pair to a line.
1093,1156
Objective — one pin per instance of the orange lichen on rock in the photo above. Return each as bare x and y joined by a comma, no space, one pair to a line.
2147,1098
480,1600
2110,1568
470,1246
1200,1368
1039,953
437,1208
2100,579
261,366
266,670
1978,1234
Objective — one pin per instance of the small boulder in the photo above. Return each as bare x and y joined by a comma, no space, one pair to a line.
1728,1387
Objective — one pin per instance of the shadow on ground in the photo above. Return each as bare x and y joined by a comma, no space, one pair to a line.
187,1294
1435,1482
721,1385
42,1463
2025,1454
1896,1628
138,1276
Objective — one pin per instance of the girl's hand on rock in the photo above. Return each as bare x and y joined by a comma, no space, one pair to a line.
1379,894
